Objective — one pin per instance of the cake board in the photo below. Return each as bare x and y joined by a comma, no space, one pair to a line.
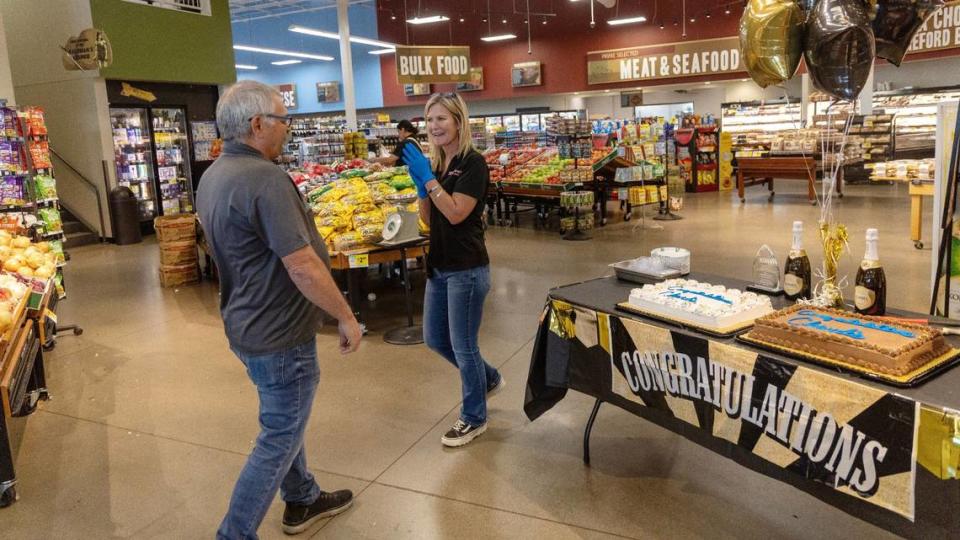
726,332
907,380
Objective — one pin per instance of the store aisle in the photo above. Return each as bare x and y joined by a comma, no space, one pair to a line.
152,416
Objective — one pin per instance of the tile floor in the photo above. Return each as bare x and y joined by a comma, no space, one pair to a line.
152,416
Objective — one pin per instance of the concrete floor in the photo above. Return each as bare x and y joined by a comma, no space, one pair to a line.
152,416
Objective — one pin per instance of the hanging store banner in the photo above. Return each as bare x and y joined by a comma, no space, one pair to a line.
685,59
854,438
433,64
940,31
288,92
89,50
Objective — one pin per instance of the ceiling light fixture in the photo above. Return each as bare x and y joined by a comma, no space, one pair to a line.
383,51
726,11
244,66
428,20
393,17
500,37
286,62
707,15
504,21
333,35
281,52
629,20
461,19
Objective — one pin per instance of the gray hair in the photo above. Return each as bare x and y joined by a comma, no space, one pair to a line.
239,103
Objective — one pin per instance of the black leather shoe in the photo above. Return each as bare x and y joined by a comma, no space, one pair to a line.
298,518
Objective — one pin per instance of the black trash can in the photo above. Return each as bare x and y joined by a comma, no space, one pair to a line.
125,216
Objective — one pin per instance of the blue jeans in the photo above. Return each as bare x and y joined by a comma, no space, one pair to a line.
286,382
453,307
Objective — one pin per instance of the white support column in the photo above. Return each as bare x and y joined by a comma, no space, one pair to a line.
805,111
866,96
346,65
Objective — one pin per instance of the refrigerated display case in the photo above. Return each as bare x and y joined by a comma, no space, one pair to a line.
511,122
151,152
133,155
173,164
531,122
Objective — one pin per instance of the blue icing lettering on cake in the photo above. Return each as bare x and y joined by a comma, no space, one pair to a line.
809,318
693,295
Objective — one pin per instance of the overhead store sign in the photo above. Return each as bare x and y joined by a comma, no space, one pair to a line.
686,59
433,64
940,31
89,50
288,92
126,90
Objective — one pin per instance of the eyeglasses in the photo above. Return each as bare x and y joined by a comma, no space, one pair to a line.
287,119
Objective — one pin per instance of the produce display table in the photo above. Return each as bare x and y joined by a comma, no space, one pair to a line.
356,262
22,386
886,455
752,171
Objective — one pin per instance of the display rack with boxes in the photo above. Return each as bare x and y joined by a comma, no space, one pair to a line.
754,125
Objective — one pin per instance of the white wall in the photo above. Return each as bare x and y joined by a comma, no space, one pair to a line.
6,78
920,74
75,102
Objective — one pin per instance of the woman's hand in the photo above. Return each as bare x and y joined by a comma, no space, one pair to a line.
419,167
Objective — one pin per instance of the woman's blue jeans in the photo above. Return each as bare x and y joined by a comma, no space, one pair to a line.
453,307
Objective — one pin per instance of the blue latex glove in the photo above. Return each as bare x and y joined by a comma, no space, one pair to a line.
419,167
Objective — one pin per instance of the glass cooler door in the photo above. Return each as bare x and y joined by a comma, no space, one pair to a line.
173,160
133,156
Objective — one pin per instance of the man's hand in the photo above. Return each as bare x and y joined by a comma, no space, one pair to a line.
350,334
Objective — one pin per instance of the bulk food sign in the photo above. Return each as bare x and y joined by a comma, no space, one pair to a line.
674,60
416,65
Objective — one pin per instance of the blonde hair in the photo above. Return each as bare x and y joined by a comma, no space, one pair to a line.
455,105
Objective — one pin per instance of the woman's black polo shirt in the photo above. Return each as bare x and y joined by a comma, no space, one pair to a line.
461,247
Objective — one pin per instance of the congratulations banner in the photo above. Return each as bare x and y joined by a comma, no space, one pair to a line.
854,438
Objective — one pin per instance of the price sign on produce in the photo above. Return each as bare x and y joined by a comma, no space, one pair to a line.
433,64
359,261
669,61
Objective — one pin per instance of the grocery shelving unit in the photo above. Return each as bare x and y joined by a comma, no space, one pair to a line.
754,124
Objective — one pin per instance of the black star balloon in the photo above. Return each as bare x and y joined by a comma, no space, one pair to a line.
771,39
896,23
839,47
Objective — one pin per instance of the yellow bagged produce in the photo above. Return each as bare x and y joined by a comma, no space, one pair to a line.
372,233
374,217
347,241
333,194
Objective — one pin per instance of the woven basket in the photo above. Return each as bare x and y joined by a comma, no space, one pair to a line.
175,228
179,253
174,276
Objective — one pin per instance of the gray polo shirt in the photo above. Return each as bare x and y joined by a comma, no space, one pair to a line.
253,215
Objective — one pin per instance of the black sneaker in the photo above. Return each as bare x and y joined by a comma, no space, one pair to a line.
298,518
462,433
495,389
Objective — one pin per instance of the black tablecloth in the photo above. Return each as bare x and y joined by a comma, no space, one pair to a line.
560,364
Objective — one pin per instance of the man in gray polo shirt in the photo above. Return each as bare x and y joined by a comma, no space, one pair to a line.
275,285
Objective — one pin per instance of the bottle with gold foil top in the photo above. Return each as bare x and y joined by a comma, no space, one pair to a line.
796,273
870,295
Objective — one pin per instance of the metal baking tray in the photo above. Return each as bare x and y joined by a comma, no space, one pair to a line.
625,273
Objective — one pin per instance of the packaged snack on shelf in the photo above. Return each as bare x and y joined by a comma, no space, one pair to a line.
9,125
10,162
50,217
56,247
358,199
36,126
46,187
12,191
40,153
11,222
58,283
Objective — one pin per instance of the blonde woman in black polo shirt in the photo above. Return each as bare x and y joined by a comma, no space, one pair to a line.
452,187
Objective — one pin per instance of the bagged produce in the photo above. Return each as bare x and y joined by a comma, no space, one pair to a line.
347,241
371,234
51,220
373,217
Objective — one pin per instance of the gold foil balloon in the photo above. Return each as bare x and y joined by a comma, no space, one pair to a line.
839,49
896,23
771,40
